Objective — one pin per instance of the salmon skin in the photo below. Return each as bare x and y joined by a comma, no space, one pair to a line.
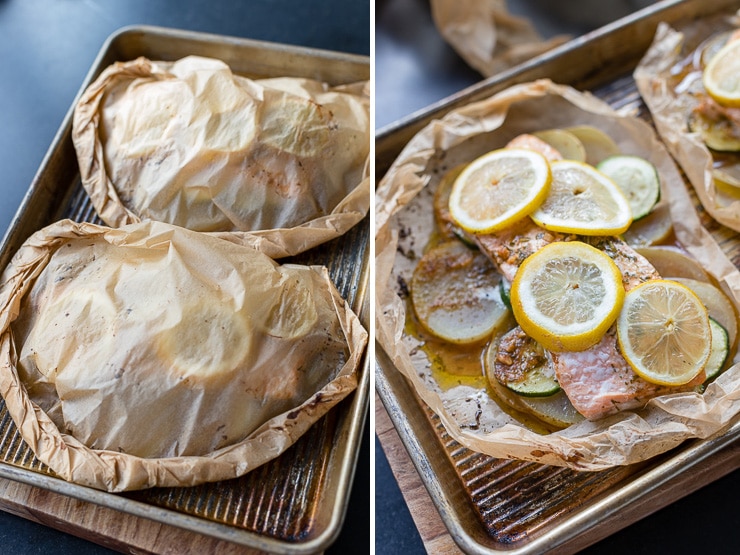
598,381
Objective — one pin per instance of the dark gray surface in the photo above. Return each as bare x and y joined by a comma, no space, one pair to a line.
415,68
46,49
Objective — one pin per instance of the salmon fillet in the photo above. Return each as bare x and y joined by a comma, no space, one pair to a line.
598,381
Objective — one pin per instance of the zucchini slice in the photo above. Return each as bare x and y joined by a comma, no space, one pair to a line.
719,351
555,410
638,180
521,364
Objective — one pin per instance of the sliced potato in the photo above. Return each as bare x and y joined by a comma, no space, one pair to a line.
718,305
441,204
556,410
565,142
653,229
725,194
673,263
727,171
718,134
726,174
598,144
455,294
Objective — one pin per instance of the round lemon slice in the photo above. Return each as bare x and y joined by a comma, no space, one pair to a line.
583,200
721,77
663,332
499,188
566,295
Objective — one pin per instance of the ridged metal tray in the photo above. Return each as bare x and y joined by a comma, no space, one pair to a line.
506,506
296,503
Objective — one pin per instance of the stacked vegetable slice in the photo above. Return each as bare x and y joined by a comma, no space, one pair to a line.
566,295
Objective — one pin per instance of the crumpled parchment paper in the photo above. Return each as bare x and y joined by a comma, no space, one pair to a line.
487,36
656,76
280,164
151,355
405,222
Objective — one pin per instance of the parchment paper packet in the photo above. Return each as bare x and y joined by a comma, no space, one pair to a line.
150,355
405,223
667,79
281,164
487,36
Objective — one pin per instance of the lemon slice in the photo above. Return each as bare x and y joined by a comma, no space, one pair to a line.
637,178
498,189
566,295
583,200
663,332
718,305
721,77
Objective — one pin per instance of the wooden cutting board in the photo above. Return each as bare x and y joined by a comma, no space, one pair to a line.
432,530
107,527
437,539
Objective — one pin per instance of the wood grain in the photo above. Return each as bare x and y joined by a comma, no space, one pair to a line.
437,539
107,527
432,530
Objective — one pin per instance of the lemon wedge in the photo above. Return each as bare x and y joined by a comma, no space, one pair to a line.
583,200
566,295
721,76
498,189
664,333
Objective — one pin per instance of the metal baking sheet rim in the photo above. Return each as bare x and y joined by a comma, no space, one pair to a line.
359,402
570,527
601,510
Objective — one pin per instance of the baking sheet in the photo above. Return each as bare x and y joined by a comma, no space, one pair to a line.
492,505
296,503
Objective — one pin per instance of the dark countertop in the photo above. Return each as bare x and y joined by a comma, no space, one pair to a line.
415,68
46,49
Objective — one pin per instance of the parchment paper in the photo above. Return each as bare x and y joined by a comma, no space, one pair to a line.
404,222
280,164
670,109
487,36
151,355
